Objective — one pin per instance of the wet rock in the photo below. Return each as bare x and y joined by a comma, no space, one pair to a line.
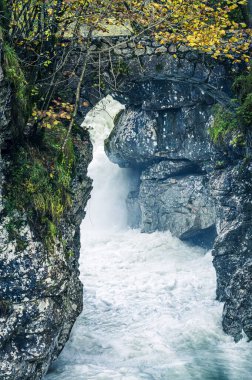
134,210
237,315
232,191
40,290
179,204
133,139
140,136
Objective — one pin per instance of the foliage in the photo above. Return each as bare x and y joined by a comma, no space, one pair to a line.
243,85
41,176
206,25
237,119
225,121
199,24
245,111
15,75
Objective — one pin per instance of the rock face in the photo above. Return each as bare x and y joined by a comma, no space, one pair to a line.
186,184
164,131
232,190
40,291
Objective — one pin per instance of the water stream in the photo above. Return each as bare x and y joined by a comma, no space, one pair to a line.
149,300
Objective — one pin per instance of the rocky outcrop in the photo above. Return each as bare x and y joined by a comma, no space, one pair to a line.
40,290
187,184
164,131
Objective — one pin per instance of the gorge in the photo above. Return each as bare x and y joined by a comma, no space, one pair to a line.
150,309
181,181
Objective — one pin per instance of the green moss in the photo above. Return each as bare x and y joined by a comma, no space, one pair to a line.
225,121
220,164
243,88
243,85
238,119
15,75
122,67
6,307
13,227
244,111
39,181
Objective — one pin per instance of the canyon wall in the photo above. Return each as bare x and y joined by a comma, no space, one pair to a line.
40,290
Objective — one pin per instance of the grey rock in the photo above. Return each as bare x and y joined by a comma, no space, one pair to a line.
237,314
165,169
41,294
183,48
134,210
172,49
164,132
118,51
149,50
161,49
231,189
180,204
135,137
139,51
143,136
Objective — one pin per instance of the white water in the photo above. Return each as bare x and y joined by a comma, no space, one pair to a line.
149,300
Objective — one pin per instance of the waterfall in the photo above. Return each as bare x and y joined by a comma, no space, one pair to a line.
149,300
106,209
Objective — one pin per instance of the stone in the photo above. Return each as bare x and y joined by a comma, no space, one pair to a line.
166,169
131,140
201,72
161,49
183,48
149,50
118,51
181,205
139,51
172,49
237,314
141,136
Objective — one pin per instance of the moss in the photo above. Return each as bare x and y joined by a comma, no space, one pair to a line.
238,119
13,227
225,121
122,67
20,104
15,75
243,85
39,181
220,164
245,111
6,308
243,88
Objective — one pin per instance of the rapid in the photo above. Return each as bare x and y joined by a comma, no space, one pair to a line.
149,300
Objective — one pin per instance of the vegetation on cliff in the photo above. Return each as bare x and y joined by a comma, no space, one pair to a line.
40,35
236,120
